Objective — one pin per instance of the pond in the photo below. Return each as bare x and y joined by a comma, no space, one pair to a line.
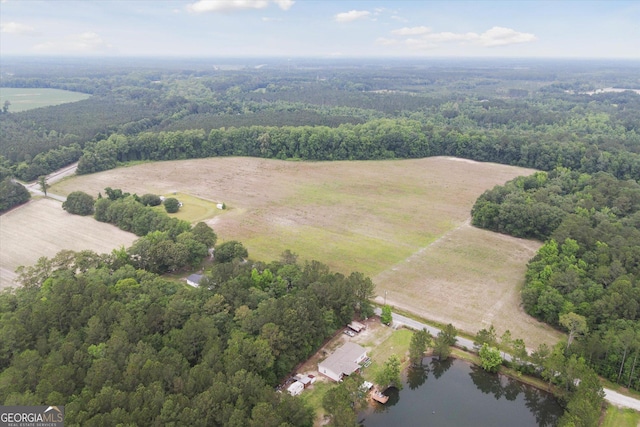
455,393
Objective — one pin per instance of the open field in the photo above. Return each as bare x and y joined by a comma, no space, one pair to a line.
402,222
42,228
194,209
472,272
23,99
619,417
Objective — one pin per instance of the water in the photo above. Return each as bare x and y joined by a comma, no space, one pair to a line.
454,393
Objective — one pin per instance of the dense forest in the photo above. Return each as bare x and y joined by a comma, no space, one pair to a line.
532,114
120,345
589,265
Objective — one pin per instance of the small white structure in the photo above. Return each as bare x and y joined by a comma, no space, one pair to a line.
220,206
194,280
366,386
295,388
345,361
306,380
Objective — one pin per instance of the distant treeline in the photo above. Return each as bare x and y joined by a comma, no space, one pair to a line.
537,117
377,139
589,264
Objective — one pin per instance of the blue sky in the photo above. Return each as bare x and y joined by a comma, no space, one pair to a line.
322,28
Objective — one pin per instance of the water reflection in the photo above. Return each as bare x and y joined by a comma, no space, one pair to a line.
445,393
540,404
439,367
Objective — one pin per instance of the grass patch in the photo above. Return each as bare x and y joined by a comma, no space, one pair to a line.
22,99
313,397
618,417
397,343
341,251
194,209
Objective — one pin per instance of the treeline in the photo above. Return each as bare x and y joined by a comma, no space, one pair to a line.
376,139
117,345
589,266
12,194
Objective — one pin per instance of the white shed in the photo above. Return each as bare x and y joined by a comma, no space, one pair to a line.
295,388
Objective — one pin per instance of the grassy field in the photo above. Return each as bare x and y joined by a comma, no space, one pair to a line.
405,223
194,209
22,99
618,417
43,228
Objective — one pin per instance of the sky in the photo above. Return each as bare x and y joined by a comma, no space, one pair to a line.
321,28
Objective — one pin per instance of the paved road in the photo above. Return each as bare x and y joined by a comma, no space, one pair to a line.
610,396
53,177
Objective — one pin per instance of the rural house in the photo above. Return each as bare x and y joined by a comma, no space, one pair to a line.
194,280
344,361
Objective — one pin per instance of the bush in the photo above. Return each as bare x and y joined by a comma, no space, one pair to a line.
150,200
79,203
171,205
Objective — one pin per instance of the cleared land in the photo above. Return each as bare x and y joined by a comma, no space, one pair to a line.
23,99
43,228
402,222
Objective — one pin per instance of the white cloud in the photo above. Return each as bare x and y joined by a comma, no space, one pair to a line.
500,36
423,38
352,15
399,18
18,28
383,41
411,31
87,42
284,4
203,6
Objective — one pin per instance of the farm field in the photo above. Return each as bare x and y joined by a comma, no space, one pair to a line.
42,228
23,99
402,222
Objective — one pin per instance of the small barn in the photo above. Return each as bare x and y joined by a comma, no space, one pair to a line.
344,361
194,280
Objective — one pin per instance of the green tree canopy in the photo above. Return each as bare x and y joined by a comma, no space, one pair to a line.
79,203
389,375
228,251
12,194
171,204
490,358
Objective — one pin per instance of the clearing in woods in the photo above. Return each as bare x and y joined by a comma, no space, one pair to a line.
23,99
42,228
405,223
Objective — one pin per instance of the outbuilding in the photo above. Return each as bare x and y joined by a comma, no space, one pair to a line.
194,280
356,326
295,388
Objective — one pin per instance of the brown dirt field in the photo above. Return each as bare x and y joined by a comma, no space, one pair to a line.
402,222
363,216
470,278
43,228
